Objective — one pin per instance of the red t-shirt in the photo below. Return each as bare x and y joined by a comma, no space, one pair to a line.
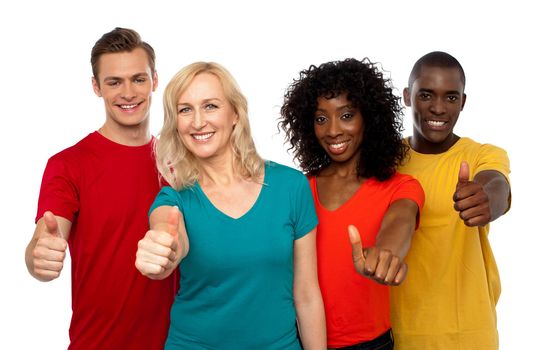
356,308
105,189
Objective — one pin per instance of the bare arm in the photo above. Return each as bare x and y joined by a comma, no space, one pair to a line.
164,245
384,262
482,200
307,295
45,253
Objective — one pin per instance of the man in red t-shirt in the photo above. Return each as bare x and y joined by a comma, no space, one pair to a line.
94,198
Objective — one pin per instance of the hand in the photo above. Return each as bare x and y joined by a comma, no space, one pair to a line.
50,250
380,265
470,199
159,250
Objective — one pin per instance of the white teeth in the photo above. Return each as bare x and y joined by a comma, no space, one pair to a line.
202,137
338,145
127,106
435,123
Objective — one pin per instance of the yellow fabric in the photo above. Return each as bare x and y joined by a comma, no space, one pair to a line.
448,298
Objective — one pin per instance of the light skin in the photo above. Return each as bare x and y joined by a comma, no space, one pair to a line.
205,124
437,98
339,128
125,83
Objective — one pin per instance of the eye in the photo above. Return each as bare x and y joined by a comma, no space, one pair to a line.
184,110
140,80
210,106
452,98
346,116
319,120
113,83
424,96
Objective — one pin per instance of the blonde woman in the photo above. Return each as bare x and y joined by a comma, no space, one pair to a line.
244,234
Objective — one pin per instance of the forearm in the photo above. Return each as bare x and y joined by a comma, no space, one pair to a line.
311,322
497,189
397,228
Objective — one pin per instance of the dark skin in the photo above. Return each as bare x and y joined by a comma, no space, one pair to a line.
437,98
339,129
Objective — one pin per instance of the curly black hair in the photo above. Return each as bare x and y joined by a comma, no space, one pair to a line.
382,149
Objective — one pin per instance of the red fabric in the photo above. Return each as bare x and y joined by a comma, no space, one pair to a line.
105,190
356,308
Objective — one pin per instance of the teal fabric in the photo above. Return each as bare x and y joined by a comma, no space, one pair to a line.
236,287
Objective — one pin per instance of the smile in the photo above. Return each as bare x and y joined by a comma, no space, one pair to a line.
202,137
338,147
127,106
436,123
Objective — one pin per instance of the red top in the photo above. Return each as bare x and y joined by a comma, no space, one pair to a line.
105,190
356,308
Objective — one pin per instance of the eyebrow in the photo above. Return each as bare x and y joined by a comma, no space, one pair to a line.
450,92
137,75
207,100
346,106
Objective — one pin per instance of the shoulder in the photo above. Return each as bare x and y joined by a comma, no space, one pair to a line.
76,150
398,179
468,145
281,172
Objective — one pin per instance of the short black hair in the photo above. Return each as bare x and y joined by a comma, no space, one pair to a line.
382,149
435,59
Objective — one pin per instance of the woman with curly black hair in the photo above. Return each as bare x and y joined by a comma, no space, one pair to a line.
343,123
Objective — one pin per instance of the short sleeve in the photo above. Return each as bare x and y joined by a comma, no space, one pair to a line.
411,189
59,189
492,158
303,209
166,196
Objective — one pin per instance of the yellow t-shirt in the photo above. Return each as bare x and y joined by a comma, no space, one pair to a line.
448,298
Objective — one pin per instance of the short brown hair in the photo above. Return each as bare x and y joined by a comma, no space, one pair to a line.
120,40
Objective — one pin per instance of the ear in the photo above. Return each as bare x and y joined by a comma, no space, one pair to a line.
96,87
463,101
406,97
155,81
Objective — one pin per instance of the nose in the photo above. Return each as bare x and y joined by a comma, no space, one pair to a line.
199,120
128,92
438,106
334,128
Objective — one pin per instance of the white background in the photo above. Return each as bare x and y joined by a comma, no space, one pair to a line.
48,104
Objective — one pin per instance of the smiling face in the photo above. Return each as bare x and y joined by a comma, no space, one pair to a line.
437,98
206,118
339,128
125,82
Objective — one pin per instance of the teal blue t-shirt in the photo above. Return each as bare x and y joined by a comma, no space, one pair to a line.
236,287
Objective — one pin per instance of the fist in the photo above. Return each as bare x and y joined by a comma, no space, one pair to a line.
50,250
159,250
380,265
470,199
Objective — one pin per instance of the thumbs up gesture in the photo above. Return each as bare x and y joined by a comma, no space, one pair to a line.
380,265
470,199
50,249
161,250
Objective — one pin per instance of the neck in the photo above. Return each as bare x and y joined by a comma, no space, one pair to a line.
421,145
346,170
220,171
137,135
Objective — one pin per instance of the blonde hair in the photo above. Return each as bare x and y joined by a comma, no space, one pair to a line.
175,162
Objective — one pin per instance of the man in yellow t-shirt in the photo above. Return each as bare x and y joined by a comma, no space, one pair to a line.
448,298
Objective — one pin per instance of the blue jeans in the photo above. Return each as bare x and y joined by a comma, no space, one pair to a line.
383,342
